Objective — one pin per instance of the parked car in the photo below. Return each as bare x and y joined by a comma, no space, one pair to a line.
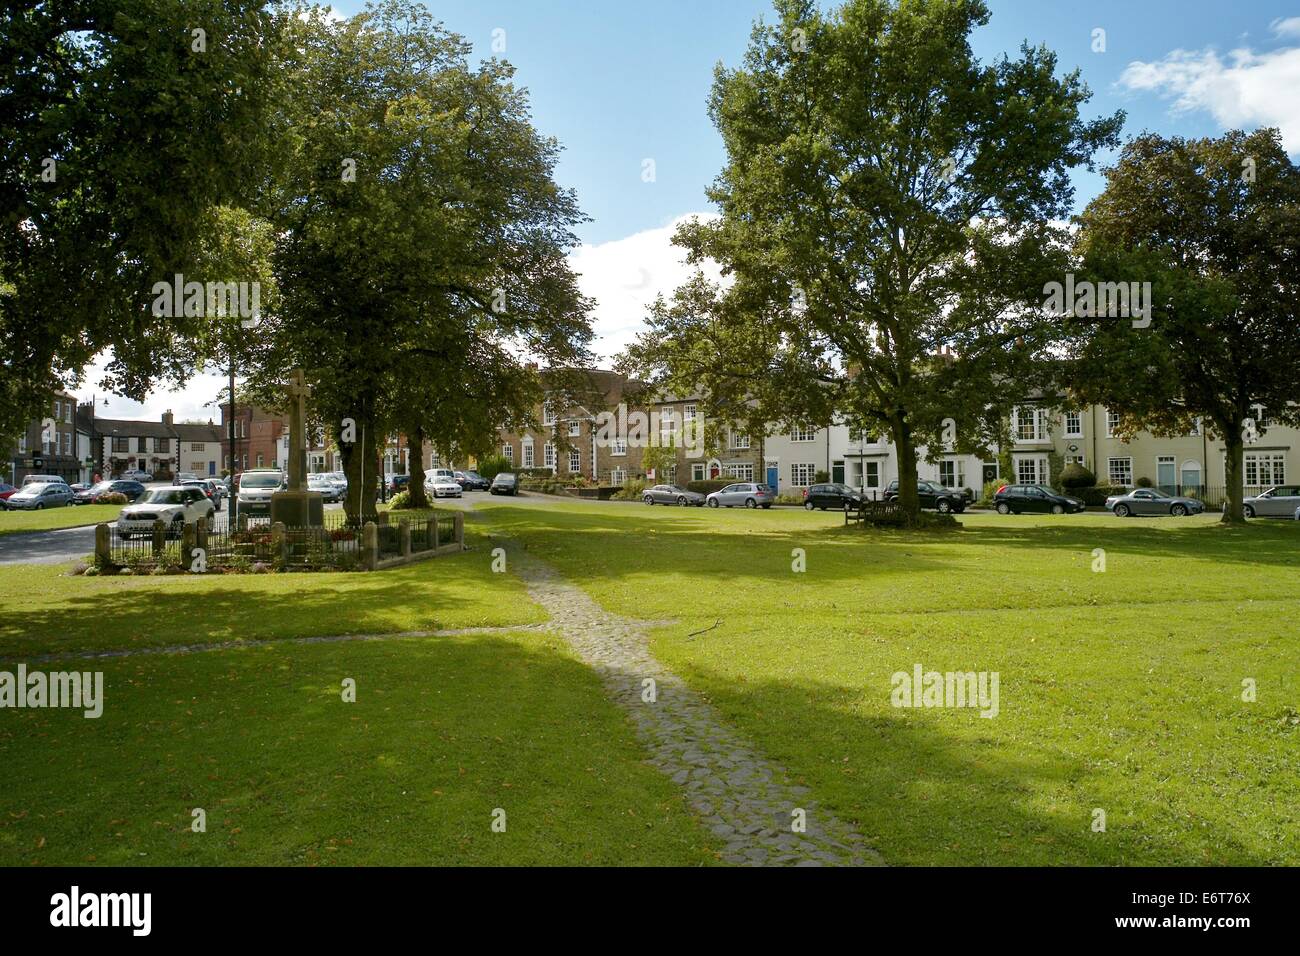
218,490
327,489
38,496
505,483
832,495
183,477
255,489
441,483
748,493
136,475
672,495
131,489
1148,501
174,507
78,487
398,483
200,484
43,480
472,481
5,491
1014,499
932,497
1282,501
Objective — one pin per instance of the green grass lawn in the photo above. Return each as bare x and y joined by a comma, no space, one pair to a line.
45,610
13,522
443,732
1119,691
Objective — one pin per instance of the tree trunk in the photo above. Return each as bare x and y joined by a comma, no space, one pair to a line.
362,481
907,495
1234,475
415,468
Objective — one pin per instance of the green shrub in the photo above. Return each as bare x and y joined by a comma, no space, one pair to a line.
1144,482
631,490
706,486
1096,496
1076,476
489,468
111,498
399,501
821,477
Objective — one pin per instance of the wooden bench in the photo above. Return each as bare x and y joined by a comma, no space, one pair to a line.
876,513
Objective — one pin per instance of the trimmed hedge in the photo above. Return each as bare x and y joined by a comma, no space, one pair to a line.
707,486
1095,497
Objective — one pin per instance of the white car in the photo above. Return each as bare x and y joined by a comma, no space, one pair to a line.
174,507
136,475
442,483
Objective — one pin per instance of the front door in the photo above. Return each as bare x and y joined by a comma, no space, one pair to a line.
773,476
1166,479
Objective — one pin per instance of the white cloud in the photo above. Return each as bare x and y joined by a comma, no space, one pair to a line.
1244,90
623,276
1290,27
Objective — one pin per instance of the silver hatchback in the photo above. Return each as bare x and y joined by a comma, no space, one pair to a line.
1280,502
748,493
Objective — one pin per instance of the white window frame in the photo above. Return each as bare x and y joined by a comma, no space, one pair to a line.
575,460
528,457
548,456
508,452
802,433
1035,419
698,471
618,448
1039,472
1267,467
548,414
1112,422
1073,424
739,470
802,473
1111,471
739,442
575,429
871,474
957,478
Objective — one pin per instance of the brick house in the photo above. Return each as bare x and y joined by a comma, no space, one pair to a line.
49,444
257,437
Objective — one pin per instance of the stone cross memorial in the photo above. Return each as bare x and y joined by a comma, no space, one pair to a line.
297,506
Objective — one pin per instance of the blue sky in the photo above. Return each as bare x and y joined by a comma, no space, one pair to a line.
620,81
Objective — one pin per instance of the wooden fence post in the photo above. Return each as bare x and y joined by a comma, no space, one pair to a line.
189,540
103,548
404,536
370,546
431,535
460,528
159,537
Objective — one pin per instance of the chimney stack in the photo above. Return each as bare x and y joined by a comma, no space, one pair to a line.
167,418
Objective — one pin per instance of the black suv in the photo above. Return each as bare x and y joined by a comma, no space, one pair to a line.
1014,499
933,497
840,497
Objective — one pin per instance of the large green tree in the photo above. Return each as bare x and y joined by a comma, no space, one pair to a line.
122,123
885,228
1214,226
422,239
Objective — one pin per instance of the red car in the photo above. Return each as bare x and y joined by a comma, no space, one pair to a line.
6,490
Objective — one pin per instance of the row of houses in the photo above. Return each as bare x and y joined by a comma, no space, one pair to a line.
578,440
791,457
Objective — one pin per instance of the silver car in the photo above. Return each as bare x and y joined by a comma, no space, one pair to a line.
40,495
672,495
1148,501
748,493
1280,502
